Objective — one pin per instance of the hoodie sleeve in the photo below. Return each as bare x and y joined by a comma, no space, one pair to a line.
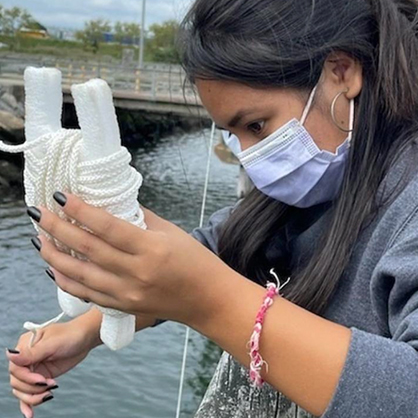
380,375
208,235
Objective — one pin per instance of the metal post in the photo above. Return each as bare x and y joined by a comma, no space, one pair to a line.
154,86
142,41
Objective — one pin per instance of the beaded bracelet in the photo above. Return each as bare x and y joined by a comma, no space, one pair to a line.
257,361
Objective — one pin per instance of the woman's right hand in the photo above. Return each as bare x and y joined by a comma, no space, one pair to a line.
58,349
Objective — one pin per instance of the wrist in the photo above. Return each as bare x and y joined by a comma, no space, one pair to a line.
229,294
90,324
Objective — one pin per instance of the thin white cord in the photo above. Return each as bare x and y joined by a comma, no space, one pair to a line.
202,217
30,326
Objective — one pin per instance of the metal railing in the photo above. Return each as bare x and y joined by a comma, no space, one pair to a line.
155,81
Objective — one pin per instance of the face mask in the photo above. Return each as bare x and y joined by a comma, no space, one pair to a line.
288,165
232,142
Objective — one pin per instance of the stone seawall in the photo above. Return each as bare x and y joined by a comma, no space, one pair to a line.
138,128
11,132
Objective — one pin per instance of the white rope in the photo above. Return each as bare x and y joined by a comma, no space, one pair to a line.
202,217
108,182
30,326
103,182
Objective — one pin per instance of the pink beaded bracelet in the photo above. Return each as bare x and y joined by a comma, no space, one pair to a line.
257,361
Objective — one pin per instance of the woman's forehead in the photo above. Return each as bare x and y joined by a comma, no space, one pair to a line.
226,99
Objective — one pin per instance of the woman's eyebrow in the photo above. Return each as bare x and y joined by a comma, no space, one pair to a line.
240,115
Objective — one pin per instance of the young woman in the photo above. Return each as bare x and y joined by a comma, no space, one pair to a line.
319,100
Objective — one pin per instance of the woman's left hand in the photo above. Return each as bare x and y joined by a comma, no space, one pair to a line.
162,271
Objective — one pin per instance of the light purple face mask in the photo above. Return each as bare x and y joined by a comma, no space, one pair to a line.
288,165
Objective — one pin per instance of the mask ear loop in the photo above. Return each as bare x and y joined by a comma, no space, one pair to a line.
308,106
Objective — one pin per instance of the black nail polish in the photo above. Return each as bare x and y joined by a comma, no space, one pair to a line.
47,398
53,387
50,274
60,198
37,243
43,384
11,351
158,322
34,213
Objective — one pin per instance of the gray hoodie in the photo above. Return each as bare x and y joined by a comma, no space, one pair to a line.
377,298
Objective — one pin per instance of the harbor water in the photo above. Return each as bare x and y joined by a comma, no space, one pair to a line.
140,381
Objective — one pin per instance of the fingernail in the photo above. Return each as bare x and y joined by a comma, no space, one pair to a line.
47,398
11,351
37,243
60,198
34,213
53,387
50,274
43,384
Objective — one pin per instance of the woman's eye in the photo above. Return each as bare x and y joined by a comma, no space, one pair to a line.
256,127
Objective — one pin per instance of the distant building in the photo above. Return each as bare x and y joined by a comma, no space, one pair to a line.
63,34
34,33
108,37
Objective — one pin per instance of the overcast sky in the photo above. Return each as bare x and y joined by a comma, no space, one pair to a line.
73,13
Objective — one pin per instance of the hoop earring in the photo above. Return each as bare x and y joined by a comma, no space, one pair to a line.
333,112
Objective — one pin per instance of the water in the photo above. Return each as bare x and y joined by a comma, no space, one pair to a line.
141,380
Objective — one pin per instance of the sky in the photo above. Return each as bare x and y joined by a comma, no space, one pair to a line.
72,14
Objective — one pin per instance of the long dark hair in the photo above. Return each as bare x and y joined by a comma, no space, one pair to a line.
270,43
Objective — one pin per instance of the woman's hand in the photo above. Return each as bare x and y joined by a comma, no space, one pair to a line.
58,349
161,272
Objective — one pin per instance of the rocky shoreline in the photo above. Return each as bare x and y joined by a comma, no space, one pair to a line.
11,132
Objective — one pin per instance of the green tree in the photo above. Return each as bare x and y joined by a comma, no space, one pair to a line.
14,19
162,42
127,32
93,33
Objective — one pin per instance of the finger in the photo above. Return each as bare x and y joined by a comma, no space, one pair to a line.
24,355
87,278
30,389
26,410
83,292
25,375
33,400
81,241
116,232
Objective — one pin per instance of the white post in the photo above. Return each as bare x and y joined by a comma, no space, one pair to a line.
142,41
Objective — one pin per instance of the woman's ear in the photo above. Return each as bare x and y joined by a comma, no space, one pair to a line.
345,72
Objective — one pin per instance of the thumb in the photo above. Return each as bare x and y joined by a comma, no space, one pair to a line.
24,355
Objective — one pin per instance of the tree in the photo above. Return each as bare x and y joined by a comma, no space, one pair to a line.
93,33
162,42
127,33
14,19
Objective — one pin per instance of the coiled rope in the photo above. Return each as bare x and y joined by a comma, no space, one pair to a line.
102,183
108,182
